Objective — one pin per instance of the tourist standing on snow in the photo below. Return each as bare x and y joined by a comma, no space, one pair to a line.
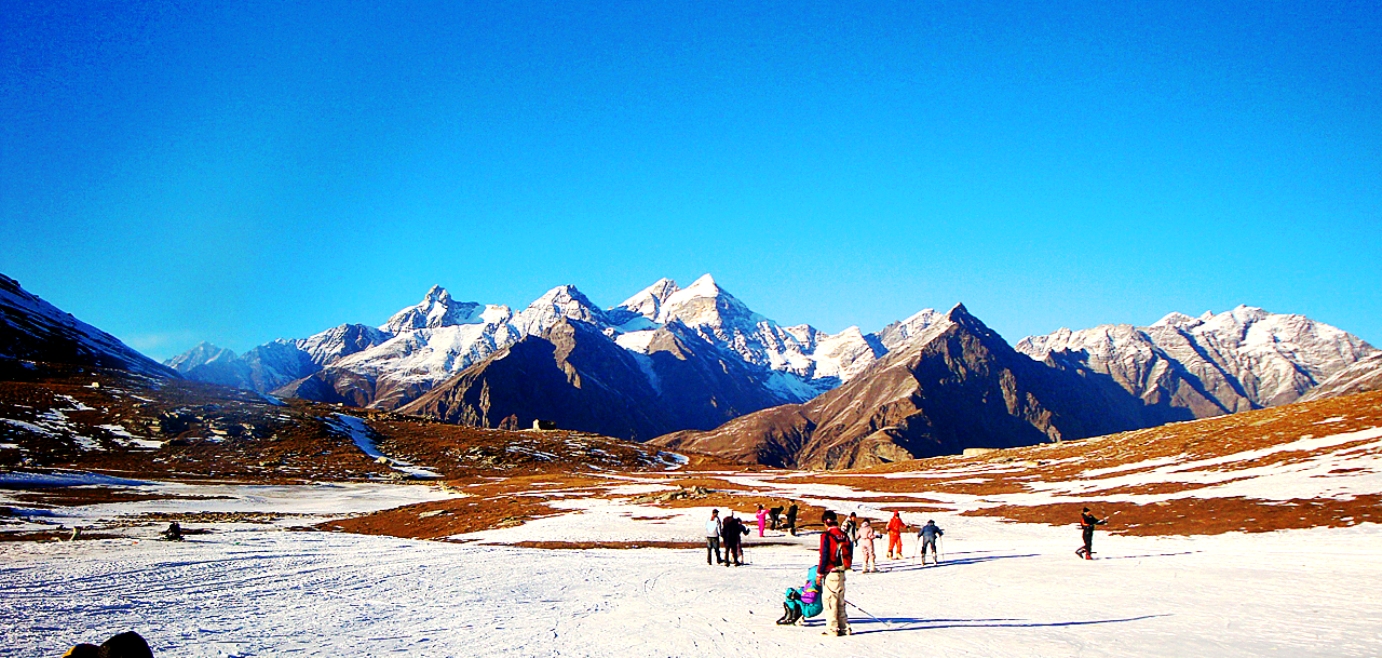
732,531
835,557
895,528
927,536
1087,523
851,528
792,519
866,537
762,519
712,537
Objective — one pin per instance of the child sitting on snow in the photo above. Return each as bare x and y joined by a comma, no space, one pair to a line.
802,602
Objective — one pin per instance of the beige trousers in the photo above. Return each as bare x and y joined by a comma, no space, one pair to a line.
835,617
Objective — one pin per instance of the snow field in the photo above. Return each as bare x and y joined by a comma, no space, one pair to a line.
1005,589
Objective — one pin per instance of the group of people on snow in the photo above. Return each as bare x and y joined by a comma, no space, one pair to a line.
824,590
729,530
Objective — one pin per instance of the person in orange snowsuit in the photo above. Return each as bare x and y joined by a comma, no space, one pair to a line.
895,528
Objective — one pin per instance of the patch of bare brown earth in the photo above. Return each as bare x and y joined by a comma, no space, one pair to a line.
79,496
1201,516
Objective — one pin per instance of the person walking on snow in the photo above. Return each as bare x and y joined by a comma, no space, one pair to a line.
762,519
895,528
712,537
927,536
836,554
1087,523
792,519
866,537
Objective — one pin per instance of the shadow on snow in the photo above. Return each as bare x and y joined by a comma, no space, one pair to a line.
917,624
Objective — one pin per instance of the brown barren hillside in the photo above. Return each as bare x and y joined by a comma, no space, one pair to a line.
62,416
1301,465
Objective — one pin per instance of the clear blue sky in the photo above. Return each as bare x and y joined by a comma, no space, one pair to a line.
245,172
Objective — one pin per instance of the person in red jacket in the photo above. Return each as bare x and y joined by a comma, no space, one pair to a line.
837,553
895,528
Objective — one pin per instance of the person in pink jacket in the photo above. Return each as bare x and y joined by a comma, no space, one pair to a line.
866,536
762,519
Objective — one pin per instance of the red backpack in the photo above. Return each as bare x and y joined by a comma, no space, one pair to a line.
841,548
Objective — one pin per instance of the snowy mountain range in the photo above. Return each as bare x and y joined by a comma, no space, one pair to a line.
423,345
440,357
1215,364
682,362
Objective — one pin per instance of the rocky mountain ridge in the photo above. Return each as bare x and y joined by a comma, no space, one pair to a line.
1241,359
31,329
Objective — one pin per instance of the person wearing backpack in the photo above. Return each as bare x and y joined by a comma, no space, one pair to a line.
836,556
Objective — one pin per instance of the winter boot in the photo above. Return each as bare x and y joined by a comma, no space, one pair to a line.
786,619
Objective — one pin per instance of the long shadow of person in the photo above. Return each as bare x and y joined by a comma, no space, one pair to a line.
892,624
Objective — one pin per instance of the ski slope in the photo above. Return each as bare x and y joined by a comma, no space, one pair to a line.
1005,589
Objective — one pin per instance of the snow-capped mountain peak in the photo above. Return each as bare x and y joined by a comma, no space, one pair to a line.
1174,319
202,354
1240,359
898,333
705,304
561,302
437,309
648,302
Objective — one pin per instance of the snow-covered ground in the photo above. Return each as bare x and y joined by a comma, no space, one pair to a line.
1004,590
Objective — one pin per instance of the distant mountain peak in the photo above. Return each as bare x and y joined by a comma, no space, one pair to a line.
704,286
202,354
648,301
437,309
436,293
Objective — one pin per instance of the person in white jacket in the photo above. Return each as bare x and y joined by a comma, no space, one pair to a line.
712,538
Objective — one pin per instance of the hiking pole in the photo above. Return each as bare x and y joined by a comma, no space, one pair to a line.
941,539
866,613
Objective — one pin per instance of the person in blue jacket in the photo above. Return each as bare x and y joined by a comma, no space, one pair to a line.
927,536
